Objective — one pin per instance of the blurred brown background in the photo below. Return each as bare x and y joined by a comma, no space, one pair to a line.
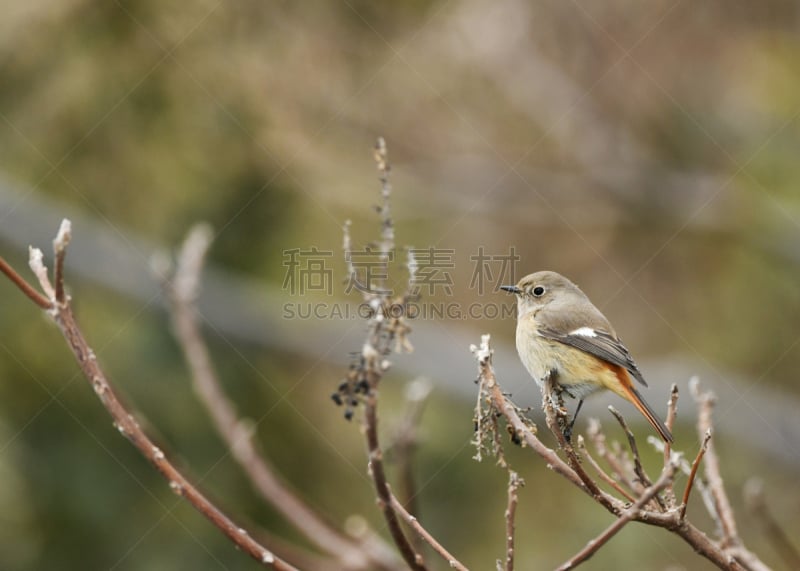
646,150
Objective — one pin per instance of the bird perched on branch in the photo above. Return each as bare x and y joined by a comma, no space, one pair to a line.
561,334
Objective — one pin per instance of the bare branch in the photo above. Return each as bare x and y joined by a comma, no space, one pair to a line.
234,431
693,473
628,515
602,473
556,416
36,263
732,558
387,329
376,470
637,461
26,288
615,463
514,483
525,434
129,427
724,511
672,413
60,244
426,536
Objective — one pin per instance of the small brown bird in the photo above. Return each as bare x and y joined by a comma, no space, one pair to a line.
561,333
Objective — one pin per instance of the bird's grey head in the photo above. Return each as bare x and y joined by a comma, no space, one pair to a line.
536,290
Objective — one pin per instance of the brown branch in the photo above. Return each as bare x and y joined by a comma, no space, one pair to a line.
637,461
757,505
523,432
602,473
725,518
386,329
425,535
615,463
26,288
556,417
693,473
628,515
60,243
735,558
127,426
376,470
638,469
514,483
672,413
234,431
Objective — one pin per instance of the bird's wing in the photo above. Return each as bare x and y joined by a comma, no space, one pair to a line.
599,343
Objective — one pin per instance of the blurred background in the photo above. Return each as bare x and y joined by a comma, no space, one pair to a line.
646,150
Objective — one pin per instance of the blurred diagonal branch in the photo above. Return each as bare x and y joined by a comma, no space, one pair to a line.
236,433
60,309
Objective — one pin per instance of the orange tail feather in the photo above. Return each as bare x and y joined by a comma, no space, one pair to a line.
641,405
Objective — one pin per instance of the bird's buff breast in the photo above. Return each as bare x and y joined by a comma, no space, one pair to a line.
579,373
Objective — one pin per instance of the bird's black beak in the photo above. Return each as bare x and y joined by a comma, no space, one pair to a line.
511,289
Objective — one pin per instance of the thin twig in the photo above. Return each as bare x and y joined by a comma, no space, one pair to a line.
727,523
514,483
556,421
376,470
672,413
26,288
599,440
129,427
425,535
638,469
631,513
637,461
602,473
693,474
774,532
60,244
234,431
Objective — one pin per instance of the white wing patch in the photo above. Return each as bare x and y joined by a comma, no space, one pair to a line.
584,332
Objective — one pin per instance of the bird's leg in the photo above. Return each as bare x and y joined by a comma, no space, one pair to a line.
568,431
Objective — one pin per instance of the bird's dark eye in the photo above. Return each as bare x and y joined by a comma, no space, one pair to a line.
538,291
